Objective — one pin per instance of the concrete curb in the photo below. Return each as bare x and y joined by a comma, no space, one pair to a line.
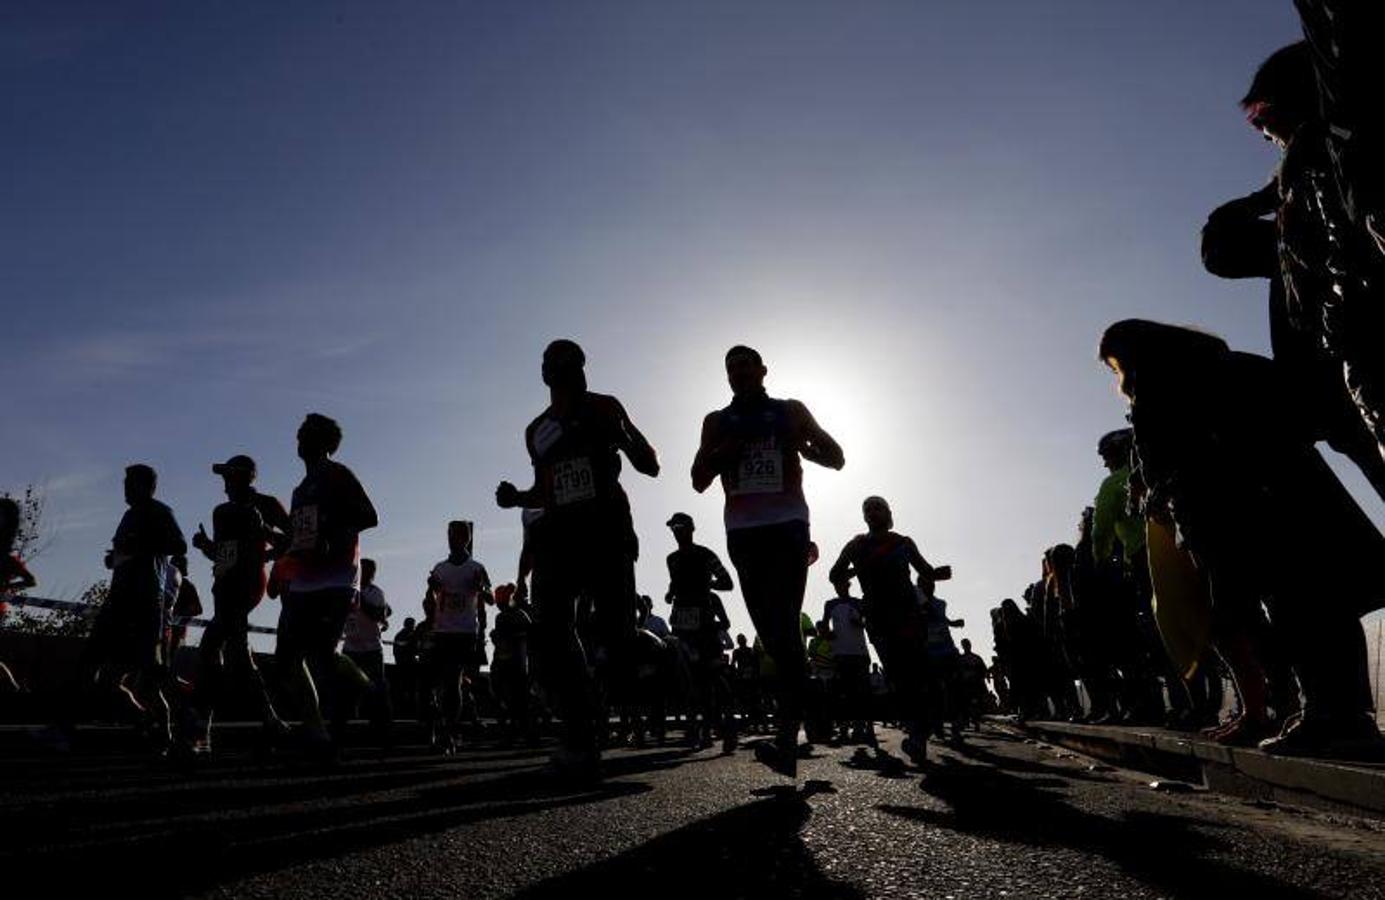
1240,771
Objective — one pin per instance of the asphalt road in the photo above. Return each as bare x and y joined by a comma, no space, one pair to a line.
997,816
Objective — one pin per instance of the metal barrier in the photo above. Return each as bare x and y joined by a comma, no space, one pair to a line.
86,609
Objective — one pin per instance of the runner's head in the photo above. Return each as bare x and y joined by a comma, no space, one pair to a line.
1114,448
318,437
367,572
740,640
410,624
9,522
877,514
459,532
966,645
824,628
1135,349
563,364
745,370
140,483
238,473
1284,94
681,524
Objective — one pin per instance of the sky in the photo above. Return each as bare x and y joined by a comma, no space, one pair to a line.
219,216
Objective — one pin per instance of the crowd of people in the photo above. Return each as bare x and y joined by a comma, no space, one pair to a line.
573,641
1221,549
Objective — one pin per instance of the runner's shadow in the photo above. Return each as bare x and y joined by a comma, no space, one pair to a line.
196,842
752,851
985,800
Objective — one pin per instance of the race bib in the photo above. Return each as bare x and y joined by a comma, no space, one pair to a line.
761,470
305,528
227,553
687,618
573,481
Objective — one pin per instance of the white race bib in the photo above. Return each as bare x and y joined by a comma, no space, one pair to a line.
227,553
687,618
573,481
761,470
305,528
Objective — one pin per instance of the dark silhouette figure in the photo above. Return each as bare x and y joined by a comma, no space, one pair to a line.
1224,459
883,561
756,446
248,531
584,542
320,575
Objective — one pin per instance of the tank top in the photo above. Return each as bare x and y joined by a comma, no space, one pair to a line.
765,485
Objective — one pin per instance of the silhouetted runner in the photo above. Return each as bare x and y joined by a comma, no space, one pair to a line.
882,560
248,530
459,586
322,573
584,543
126,646
697,619
361,642
756,446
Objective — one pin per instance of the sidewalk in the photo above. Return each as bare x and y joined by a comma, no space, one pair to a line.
1240,771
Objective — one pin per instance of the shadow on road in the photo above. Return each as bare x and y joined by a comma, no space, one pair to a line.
199,833
750,851
1169,852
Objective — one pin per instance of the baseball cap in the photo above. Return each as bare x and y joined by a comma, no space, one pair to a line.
238,463
680,520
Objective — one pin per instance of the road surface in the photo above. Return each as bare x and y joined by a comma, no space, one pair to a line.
997,816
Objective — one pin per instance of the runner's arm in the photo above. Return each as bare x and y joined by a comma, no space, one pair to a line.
817,445
917,561
640,452
841,572
721,579
719,610
363,511
713,455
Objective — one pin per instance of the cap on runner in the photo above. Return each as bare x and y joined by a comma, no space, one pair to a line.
680,520
240,463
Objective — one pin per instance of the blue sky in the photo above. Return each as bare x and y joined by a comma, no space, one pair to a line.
219,216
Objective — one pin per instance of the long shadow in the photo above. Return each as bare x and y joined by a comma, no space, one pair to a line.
751,851
979,753
211,843
1169,852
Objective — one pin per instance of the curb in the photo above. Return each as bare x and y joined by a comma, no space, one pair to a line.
1239,771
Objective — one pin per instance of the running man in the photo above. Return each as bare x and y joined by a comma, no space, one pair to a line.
328,512
458,586
695,574
583,543
756,446
881,560
248,530
852,694
127,638
362,644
